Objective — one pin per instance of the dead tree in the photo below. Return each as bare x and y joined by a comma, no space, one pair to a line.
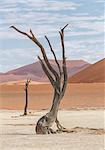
58,81
26,96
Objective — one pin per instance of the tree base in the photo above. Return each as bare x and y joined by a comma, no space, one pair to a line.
44,124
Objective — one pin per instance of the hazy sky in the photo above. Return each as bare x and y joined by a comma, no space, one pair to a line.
84,36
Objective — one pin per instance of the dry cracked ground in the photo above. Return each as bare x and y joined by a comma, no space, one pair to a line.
18,132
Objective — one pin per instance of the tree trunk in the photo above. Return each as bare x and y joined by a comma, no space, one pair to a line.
45,123
26,96
26,102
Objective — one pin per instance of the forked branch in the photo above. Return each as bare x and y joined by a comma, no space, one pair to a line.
35,40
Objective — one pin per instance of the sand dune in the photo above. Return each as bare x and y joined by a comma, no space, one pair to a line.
92,74
35,72
12,96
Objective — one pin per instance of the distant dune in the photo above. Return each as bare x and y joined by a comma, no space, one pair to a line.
12,96
35,72
93,74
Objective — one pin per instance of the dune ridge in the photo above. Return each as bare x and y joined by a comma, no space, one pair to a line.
35,72
95,73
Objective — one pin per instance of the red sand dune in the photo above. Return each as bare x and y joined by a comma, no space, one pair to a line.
92,74
86,95
35,72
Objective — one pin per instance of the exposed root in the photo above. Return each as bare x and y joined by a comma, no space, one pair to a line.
83,130
78,129
51,131
60,127
88,130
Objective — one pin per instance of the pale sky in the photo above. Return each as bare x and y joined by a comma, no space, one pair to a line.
84,37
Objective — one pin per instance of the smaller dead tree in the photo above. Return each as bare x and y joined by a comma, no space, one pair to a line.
26,96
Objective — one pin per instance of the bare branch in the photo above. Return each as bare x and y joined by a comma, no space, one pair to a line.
27,83
28,80
47,72
64,60
21,32
64,27
53,54
34,39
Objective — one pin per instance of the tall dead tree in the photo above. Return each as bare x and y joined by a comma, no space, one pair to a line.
26,96
58,81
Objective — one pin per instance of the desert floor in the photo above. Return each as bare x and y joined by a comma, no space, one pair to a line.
82,111
89,95
18,132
